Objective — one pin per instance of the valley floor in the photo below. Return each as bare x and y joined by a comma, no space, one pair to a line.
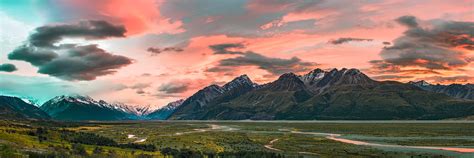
238,139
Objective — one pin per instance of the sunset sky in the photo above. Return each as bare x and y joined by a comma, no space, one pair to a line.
151,52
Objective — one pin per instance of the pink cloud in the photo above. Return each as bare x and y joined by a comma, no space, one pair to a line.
141,16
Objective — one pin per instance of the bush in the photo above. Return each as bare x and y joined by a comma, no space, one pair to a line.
79,149
87,138
144,147
97,150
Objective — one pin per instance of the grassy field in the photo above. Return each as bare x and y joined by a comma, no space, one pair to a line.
231,139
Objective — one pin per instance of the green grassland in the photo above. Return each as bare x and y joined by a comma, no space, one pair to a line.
226,139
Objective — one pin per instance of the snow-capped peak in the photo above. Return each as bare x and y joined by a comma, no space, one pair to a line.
313,76
133,109
420,83
239,81
173,105
73,98
165,111
30,100
136,110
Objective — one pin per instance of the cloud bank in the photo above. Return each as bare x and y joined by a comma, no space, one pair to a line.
275,66
174,87
347,40
72,61
224,48
156,51
7,67
444,45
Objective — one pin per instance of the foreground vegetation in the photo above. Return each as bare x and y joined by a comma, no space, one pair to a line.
224,139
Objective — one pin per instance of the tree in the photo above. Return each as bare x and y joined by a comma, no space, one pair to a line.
169,151
40,133
98,150
79,149
144,156
112,153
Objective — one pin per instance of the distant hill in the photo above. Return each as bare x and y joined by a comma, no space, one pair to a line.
77,107
17,109
334,94
455,90
84,108
135,112
164,112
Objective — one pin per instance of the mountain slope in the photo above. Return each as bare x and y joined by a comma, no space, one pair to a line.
385,101
164,112
199,102
135,112
453,90
318,80
334,94
83,108
16,108
261,103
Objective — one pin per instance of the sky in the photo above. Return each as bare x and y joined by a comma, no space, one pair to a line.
151,52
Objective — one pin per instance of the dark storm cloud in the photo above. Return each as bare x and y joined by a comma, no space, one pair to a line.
390,77
223,48
407,20
450,79
140,85
347,39
83,63
140,91
7,67
47,36
156,51
219,69
71,61
276,66
435,48
448,34
174,87
173,49
37,56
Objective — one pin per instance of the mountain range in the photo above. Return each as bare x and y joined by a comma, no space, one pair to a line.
319,94
455,90
78,107
328,95
83,108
